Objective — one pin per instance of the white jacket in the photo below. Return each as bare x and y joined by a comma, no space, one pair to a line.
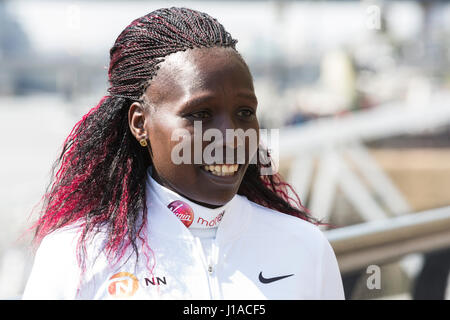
258,253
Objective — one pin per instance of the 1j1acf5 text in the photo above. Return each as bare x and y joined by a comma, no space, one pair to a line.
228,310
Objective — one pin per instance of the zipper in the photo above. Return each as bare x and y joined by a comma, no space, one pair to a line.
212,270
210,266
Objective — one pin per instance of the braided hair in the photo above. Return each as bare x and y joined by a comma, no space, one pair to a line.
100,182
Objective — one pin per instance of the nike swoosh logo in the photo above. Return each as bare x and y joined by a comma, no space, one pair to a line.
269,280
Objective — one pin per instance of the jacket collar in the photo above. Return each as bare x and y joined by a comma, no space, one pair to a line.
193,215
163,222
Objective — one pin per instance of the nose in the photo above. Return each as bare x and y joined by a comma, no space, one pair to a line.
230,139
228,129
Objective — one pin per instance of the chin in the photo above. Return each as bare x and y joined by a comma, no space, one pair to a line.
214,202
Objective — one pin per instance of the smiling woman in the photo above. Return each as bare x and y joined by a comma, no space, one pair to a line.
200,229
209,85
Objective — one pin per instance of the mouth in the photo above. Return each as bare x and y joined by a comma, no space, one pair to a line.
222,173
222,170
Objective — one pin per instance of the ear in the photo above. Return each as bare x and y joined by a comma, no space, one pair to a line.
137,120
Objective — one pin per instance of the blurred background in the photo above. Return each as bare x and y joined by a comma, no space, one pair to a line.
360,91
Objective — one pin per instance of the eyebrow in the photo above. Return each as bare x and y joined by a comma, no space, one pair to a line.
209,97
197,100
248,96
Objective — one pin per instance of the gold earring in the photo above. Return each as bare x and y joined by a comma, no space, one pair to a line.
143,142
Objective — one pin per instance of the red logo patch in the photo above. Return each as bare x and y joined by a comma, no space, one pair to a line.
183,211
211,223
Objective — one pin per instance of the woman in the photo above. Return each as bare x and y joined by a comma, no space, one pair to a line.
123,219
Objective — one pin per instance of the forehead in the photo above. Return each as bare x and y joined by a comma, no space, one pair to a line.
186,73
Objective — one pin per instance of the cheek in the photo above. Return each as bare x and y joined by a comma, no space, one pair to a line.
171,149
252,142
160,144
254,147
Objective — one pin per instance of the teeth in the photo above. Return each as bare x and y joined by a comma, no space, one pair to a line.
222,170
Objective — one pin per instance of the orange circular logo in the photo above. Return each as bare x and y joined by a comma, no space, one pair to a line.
122,285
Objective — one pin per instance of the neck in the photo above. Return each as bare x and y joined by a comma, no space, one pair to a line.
193,215
167,185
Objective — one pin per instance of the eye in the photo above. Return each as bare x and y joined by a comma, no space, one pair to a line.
246,113
200,115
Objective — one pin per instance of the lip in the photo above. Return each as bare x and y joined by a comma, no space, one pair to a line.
223,180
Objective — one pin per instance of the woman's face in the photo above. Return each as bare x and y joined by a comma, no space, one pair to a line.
207,87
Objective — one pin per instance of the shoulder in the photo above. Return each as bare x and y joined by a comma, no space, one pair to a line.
275,223
56,271
298,242
59,241
61,247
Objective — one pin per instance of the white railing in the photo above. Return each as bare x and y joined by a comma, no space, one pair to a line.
383,121
376,242
329,153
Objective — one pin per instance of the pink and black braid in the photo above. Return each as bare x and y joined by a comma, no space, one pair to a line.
147,40
100,182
